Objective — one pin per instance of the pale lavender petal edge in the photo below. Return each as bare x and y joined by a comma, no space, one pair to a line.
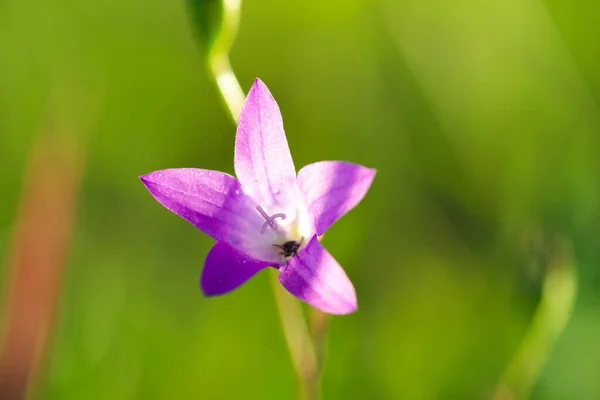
262,160
332,188
225,269
315,277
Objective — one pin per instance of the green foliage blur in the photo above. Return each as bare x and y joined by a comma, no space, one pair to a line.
482,119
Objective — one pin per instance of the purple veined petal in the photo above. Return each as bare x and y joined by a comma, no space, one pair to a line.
332,188
212,201
262,159
225,269
317,278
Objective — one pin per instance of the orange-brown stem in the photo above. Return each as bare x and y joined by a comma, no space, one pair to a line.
39,250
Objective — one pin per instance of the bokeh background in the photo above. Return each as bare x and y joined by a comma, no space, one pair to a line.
482,119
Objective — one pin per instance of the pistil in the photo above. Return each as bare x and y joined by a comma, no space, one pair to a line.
270,221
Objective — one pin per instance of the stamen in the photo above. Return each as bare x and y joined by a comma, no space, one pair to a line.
270,221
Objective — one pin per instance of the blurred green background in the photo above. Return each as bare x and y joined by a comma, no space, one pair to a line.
482,119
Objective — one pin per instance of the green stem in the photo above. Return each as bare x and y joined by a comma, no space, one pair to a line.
301,343
299,340
218,59
231,92
318,323
551,317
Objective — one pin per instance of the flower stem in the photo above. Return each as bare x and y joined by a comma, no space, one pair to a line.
218,59
318,324
306,362
229,87
301,341
551,317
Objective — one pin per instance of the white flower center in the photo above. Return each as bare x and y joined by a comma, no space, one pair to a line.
277,229
269,221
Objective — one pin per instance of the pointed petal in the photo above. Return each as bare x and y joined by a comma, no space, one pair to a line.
317,278
332,188
211,200
226,268
262,160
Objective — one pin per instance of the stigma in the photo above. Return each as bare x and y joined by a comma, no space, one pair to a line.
289,237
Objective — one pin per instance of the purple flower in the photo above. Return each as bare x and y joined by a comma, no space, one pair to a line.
268,216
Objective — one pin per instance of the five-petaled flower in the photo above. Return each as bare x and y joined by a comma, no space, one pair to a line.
268,216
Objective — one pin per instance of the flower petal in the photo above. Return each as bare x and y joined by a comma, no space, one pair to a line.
317,278
332,188
225,269
262,160
211,200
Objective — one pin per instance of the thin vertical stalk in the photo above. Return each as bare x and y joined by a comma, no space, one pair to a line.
306,361
39,250
297,335
218,59
553,313
230,89
318,323
299,341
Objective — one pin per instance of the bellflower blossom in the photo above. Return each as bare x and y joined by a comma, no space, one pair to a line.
268,216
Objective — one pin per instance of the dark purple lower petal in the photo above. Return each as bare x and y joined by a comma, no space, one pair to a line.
317,278
226,268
